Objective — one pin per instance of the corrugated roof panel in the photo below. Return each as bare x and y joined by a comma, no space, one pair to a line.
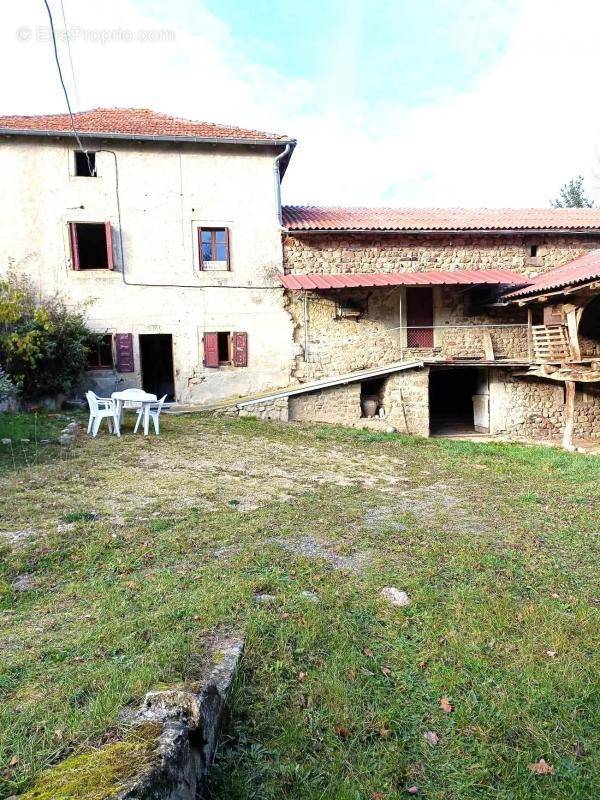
316,218
471,277
582,269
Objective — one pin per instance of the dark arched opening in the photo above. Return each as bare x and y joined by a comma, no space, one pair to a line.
589,325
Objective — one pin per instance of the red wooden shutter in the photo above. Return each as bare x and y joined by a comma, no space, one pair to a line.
419,313
109,249
74,244
240,349
124,352
211,350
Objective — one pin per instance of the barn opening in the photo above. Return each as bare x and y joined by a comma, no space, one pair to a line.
371,396
459,401
156,358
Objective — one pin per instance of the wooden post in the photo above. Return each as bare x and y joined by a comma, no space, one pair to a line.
573,314
569,415
529,334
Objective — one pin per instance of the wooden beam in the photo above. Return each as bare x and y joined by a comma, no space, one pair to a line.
573,314
569,415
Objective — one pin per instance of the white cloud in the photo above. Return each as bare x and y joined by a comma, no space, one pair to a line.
525,128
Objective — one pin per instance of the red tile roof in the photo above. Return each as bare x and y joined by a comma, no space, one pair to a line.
314,218
134,123
465,277
581,270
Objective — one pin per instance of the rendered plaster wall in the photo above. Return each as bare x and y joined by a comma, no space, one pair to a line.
166,192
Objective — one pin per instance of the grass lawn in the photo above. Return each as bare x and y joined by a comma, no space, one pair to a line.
117,556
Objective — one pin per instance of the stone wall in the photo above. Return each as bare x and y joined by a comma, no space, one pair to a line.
535,409
406,401
276,410
340,252
337,345
339,404
519,407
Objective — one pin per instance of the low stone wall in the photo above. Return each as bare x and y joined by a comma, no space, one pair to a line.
339,404
169,747
276,410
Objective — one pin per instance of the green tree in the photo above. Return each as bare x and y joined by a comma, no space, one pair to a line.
43,345
572,195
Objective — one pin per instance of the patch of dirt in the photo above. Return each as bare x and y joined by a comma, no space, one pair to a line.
437,503
18,538
311,547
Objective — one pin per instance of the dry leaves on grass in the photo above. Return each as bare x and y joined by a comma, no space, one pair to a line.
541,767
432,738
445,705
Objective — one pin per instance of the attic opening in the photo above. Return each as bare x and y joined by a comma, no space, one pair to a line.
459,401
85,164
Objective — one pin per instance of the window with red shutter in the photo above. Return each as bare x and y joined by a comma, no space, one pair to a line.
124,352
225,349
91,245
240,349
211,349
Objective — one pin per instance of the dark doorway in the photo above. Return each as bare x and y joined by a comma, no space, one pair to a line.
419,315
458,401
156,356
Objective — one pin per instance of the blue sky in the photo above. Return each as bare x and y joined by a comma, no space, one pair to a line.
410,51
399,102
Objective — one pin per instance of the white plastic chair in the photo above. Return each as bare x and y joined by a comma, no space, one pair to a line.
101,408
150,410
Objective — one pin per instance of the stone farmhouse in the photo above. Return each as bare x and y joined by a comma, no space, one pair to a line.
434,321
170,230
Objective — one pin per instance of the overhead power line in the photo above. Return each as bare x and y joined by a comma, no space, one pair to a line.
62,8
64,88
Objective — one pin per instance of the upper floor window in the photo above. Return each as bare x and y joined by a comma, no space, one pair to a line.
85,164
91,245
213,245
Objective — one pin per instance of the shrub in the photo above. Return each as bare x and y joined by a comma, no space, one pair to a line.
43,344
7,387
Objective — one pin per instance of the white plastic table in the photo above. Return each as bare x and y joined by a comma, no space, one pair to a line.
127,395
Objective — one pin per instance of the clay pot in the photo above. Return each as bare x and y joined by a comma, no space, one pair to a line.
369,404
